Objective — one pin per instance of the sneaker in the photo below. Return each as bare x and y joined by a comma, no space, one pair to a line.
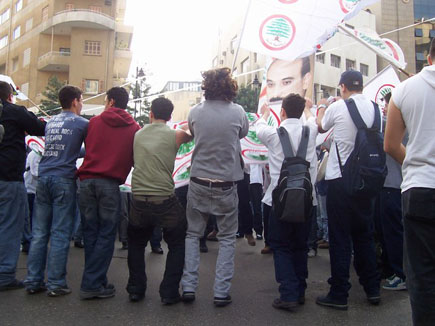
104,293
124,245
136,297
250,239
203,247
59,292
188,296
222,302
14,285
312,253
285,305
395,284
79,244
157,250
239,235
259,237
37,289
374,299
390,278
266,250
327,301
25,247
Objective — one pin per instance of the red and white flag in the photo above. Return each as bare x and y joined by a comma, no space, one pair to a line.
380,85
290,29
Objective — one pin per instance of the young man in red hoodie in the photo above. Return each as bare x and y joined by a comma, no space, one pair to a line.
107,162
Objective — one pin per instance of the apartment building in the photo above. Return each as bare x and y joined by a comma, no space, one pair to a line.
184,95
338,54
82,42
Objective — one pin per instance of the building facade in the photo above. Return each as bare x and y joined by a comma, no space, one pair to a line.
81,42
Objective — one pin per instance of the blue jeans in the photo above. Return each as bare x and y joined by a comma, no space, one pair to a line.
13,200
289,245
350,222
99,209
27,230
53,220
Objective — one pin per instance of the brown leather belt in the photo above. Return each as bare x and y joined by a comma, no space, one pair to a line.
218,184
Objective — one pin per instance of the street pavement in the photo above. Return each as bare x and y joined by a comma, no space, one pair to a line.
253,290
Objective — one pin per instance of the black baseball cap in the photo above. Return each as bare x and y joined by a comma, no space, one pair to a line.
351,78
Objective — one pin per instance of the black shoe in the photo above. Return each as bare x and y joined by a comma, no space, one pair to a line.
59,292
79,244
327,301
124,245
203,247
374,299
25,247
239,235
135,297
188,297
285,305
259,237
222,302
104,293
14,285
37,289
157,250
170,301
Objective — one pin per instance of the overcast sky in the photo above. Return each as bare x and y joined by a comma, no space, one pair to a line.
174,39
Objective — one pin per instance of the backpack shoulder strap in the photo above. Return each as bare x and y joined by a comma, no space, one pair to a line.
303,145
285,142
377,120
354,114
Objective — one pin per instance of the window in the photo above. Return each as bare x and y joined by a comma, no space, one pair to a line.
65,51
45,13
335,61
233,44
320,57
350,64
3,41
96,9
364,69
18,5
245,65
17,32
92,47
29,24
432,33
5,16
26,57
91,86
418,32
420,56
69,6
14,64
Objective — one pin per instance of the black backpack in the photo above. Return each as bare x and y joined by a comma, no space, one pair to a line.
293,196
2,129
365,170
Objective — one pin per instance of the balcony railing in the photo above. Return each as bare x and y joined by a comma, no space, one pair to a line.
53,54
84,10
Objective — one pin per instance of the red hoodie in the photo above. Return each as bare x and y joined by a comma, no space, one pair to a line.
109,146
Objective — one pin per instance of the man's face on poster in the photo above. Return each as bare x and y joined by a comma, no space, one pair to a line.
284,77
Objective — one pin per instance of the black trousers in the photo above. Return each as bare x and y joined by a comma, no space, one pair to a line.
144,217
419,256
256,193
246,218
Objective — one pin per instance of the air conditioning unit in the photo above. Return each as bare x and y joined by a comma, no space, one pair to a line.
108,2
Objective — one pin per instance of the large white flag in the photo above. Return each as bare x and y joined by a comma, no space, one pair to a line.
380,85
383,47
290,29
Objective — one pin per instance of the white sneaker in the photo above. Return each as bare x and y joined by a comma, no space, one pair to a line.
395,284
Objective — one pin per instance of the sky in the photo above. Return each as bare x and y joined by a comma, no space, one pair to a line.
173,39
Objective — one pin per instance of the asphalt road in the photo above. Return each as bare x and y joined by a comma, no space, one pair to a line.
253,290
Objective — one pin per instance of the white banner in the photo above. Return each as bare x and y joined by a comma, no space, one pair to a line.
380,85
290,29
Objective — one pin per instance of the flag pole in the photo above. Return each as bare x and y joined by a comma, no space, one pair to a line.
241,35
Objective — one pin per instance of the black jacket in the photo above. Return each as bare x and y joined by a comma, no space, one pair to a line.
17,121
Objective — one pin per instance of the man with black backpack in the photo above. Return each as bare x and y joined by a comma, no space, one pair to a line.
292,159
355,175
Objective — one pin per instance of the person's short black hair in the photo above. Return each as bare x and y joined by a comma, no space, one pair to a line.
162,108
387,97
293,105
68,94
432,50
119,95
5,91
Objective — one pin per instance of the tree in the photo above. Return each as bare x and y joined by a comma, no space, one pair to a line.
140,109
247,98
51,104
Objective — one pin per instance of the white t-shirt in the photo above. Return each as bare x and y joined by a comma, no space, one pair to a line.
256,175
269,137
337,115
415,98
31,173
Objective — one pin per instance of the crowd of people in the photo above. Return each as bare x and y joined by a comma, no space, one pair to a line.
223,199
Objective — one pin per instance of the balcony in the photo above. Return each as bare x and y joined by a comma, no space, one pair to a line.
63,21
54,61
123,53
